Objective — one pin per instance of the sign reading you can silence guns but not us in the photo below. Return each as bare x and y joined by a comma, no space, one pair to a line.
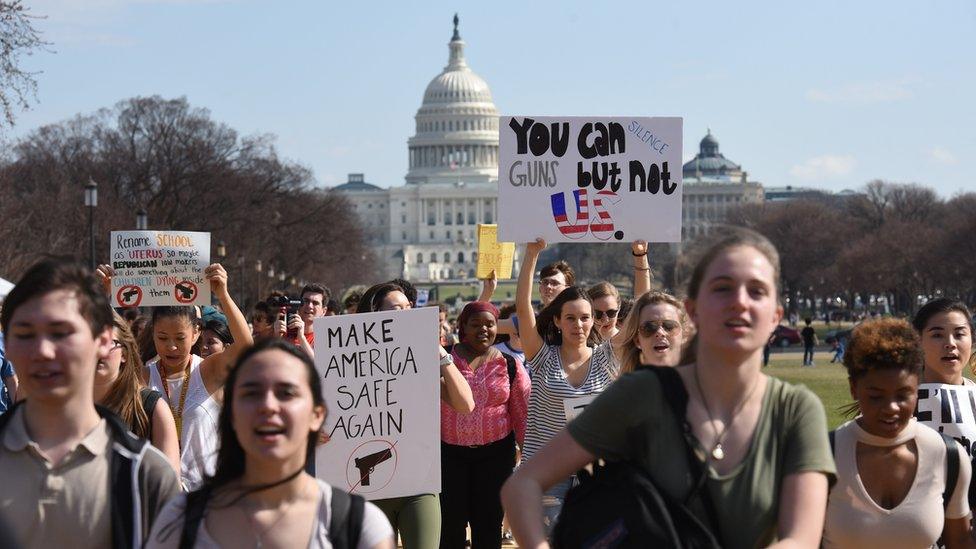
589,179
381,379
156,268
949,409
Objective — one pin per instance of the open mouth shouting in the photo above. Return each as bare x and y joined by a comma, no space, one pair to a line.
270,432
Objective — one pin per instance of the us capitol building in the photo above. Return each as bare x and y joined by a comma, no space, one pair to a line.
426,229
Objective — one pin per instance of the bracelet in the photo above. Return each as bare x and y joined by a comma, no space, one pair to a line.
637,255
642,268
447,360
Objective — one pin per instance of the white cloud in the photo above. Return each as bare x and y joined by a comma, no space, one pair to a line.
865,92
824,167
941,155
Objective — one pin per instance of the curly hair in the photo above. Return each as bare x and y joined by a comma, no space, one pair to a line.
885,343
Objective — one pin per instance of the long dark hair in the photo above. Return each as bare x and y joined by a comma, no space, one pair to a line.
546,322
230,457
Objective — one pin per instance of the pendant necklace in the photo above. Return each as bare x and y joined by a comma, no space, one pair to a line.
718,453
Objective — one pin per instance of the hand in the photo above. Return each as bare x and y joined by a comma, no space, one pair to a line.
490,284
639,247
297,325
536,247
279,328
217,277
104,274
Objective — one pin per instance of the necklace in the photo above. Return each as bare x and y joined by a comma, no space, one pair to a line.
253,523
718,453
177,412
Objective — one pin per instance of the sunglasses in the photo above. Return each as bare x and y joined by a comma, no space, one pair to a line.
649,328
609,313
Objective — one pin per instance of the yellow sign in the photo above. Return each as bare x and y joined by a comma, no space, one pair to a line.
494,255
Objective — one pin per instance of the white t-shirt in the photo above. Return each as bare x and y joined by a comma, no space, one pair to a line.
855,520
551,389
169,525
200,438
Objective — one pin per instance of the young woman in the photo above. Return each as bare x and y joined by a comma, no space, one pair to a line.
945,328
215,338
417,519
478,449
767,457
191,385
891,470
655,334
119,387
260,494
567,369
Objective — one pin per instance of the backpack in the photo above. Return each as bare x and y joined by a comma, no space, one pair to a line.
619,506
149,398
345,521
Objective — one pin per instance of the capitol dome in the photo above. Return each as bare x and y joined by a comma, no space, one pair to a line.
456,137
710,163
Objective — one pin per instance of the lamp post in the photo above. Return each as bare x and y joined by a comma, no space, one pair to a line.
221,251
91,200
281,279
257,267
142,220
240,267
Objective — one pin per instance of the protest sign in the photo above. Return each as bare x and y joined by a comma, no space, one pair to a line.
381,378
589,179
494,255
155,268
949,409
574,406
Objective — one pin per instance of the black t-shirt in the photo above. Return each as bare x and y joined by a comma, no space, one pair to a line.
808,334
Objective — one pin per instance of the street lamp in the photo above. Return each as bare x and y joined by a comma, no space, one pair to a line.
142,220
257,278
221,251
91,200
281,279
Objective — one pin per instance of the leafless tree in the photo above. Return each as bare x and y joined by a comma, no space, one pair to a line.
18,38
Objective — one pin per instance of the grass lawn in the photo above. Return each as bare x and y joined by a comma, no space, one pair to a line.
828,381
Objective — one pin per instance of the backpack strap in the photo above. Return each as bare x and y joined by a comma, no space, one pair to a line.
196,504
832,436
952,468
510,361
149,399
675,393
346,522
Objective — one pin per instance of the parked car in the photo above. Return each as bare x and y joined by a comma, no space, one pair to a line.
784,336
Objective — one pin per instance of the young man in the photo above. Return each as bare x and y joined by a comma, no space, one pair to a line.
314,299
809,336
73,475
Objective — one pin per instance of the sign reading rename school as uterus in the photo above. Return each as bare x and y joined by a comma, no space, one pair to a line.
155,268
381,380
589,179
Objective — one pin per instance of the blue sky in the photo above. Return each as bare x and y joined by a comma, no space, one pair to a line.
827,94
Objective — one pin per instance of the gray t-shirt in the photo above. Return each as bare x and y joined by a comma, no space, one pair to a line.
169,524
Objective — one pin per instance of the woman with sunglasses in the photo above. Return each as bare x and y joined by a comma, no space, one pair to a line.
119,387
655,334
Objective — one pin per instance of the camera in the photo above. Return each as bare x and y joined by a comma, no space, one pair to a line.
284,302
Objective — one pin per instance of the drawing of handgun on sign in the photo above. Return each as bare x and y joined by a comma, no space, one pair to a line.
367,464
186,290
128,295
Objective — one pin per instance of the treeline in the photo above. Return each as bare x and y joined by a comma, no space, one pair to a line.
188,172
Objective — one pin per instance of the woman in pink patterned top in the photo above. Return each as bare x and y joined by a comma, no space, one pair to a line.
478,449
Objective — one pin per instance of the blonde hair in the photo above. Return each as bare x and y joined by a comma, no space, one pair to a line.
124,398
630,353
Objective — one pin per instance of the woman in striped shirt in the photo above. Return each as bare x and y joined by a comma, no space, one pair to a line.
478,449
568,371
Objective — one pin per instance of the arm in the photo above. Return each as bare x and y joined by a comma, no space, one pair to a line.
298,324
488,287
642,269
956,534
802,509
956,530
522,492
164,435
455,390
518,401
506,326
215,367
531,340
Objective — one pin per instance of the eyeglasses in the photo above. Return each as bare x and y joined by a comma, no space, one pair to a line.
116,344
550,283
649,328
609,313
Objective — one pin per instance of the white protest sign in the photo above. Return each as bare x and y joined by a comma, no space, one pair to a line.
155,268
381,378
574,406
589,179
949,409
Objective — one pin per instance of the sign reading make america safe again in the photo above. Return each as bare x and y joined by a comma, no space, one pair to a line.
380,376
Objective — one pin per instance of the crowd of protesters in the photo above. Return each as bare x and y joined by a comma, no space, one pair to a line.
197,427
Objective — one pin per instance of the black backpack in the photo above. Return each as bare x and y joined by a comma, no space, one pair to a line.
619,506
345,522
